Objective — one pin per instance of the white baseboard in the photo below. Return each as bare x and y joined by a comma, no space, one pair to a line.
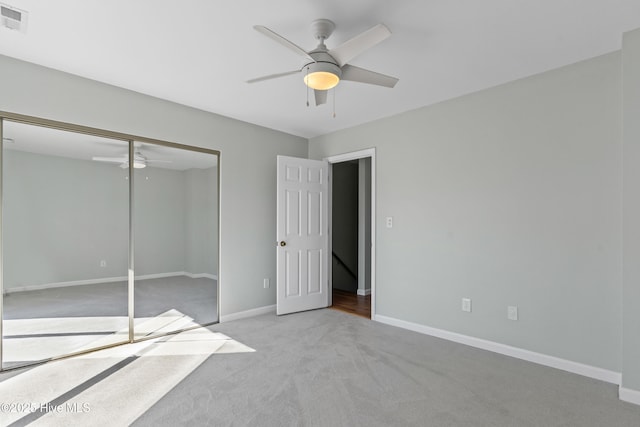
201,275
107,280
364,292
160,275
63,284
629,395
530,356
249,313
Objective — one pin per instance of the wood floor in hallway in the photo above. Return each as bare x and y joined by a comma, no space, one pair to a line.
352,303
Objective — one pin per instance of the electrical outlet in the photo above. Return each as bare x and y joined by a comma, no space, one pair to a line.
266,283
389,222
466,305
103,263
512,312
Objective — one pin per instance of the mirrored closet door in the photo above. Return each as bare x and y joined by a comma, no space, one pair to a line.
65,236
176,238
106,239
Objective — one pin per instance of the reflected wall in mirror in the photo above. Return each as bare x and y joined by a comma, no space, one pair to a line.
65,241
176,239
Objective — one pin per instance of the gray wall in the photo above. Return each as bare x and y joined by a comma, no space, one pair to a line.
509,196
631,211
248,161
202,221
160,221
63,216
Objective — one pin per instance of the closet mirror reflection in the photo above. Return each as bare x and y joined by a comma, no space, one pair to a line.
93,257
65,239
176,239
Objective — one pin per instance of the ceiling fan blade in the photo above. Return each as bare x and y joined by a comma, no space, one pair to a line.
272,76
284,42
158,161
111,159
355,46
357,74
321,97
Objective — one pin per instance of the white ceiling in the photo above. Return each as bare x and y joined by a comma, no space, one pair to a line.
201,52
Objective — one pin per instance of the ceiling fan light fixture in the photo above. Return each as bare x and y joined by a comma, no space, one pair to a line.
137,164
321,80
322,75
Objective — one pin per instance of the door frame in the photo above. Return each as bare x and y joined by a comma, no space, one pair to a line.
338,158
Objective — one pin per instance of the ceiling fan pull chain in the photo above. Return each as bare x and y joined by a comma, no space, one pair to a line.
307,87
334,102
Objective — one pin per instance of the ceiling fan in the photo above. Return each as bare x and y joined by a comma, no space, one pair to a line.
324,68
139,161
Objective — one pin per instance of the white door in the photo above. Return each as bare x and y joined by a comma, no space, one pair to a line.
302,234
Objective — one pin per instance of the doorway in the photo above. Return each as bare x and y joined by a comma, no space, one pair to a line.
352,230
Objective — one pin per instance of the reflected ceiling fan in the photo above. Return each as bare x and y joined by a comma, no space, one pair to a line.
324,68
139,161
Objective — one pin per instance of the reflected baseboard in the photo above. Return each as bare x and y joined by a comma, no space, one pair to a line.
199,275
108,280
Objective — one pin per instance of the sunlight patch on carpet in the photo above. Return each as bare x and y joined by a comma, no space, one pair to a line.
113,386
28,340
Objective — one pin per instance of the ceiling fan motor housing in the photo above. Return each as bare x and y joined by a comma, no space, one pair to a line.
324,66
324,62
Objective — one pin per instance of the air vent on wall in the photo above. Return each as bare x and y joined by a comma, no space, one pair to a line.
13,18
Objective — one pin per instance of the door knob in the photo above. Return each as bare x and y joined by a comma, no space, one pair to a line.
283,243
